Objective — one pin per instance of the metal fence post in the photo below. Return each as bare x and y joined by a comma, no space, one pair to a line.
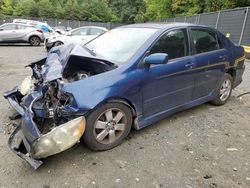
185,19
243,26
217,21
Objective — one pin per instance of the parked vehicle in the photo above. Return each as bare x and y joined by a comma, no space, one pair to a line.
80,35
14,33
47,30
134,75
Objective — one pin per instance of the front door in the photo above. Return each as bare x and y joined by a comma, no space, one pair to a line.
7,33
169,85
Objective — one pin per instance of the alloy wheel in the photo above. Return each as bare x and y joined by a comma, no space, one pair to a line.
225,90
110,125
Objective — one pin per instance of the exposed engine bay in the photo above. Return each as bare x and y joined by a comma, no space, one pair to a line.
47,109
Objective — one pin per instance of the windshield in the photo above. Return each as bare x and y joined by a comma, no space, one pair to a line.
119,45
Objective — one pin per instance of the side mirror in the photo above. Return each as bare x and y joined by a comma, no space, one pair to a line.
157,58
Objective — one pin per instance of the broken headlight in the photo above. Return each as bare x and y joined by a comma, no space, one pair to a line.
26,85
59,139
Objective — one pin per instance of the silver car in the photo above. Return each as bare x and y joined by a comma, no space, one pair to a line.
14,33
80,35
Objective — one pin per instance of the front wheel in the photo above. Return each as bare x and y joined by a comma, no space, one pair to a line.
107,126
224,90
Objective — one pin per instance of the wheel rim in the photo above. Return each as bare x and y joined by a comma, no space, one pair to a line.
225,90
58,43
110,125
35,41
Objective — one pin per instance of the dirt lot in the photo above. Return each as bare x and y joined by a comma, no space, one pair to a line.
206,146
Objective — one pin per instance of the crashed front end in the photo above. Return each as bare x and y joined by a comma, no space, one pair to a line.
43,131
51,121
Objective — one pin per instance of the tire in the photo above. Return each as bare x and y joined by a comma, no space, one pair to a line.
35,41
115,121
224,90
58,43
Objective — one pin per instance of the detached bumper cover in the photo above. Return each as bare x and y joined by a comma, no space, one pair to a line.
29,143
12,96
17,143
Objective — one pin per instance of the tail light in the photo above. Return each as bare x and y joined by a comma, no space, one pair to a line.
40,31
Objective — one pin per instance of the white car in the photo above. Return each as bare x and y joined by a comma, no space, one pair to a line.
80,35
15,33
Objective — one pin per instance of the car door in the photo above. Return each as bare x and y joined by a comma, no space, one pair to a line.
7,32
210,58
169,85
22,31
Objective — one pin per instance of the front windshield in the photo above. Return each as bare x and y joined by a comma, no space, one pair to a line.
119,45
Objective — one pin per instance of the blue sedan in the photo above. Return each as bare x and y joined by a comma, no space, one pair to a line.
132,76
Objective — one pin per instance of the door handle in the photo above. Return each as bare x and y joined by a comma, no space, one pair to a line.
189,65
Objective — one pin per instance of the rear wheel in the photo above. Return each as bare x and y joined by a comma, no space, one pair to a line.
34,41
107,126
224,90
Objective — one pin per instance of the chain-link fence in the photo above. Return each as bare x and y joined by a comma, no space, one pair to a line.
234,23
63,23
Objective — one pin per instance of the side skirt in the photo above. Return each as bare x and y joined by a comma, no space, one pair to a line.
144,122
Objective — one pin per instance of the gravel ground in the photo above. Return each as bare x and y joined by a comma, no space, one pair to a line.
206,146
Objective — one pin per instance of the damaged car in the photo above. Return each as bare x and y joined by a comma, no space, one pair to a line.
132,76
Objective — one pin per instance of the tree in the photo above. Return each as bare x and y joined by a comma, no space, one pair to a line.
98,10
186,8
7,7
46,9
158,10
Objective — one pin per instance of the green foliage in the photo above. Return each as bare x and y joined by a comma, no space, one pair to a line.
7,7
124,11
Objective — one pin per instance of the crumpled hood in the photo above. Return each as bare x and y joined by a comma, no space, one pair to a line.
58,57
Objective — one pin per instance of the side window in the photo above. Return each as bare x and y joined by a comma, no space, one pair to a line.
174,43
94,31
204,40
81,31
19,27
8,27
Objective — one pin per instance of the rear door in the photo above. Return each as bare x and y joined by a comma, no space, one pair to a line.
211,59
7,33
22,31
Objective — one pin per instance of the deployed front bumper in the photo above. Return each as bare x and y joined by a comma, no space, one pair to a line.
29,143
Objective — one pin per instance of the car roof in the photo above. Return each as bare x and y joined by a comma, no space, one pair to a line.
17,24
93,27
161,25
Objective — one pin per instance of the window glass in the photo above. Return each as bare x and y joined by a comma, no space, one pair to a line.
95,31
174,43
204,40
21,26
9,27
81,31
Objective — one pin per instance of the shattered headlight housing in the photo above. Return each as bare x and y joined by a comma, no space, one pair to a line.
26,85
59,139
